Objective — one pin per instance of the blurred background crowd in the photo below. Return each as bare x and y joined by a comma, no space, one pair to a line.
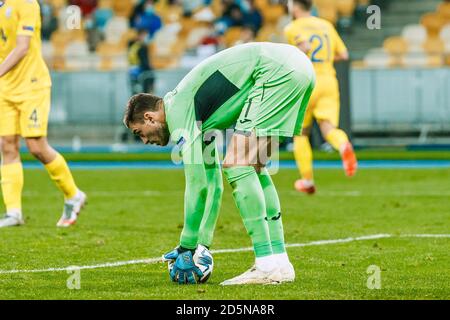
396,82
181,32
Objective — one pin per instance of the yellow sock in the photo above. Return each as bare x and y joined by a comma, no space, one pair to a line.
12,185
337,138
60,173
303,156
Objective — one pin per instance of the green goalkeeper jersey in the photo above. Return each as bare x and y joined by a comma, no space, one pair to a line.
251,76
257,87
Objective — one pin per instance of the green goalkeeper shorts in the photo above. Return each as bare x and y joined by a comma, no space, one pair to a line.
277,103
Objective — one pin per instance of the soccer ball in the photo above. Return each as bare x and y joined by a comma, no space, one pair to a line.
203,260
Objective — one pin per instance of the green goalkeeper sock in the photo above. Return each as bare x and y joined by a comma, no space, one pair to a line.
249,198
273,209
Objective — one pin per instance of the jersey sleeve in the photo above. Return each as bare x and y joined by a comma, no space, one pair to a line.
294,36
196,191
29,15
339,44
188,138
288,34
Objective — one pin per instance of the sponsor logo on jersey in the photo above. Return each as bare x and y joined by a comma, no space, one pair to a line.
27,28
2,3
8,13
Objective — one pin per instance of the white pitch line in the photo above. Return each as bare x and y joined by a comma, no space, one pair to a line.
293,245
424,236
330,193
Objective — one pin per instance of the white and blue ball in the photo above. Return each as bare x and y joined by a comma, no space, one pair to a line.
203,260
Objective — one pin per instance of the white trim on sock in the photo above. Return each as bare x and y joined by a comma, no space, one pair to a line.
15,213
267,263
75,198
282,259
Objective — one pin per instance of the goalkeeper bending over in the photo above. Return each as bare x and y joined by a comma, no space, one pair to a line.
260,89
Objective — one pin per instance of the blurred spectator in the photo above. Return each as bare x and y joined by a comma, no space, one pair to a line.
252,16
141,71
145,17
94,35
86,6
232,17
205,14
137,11
248,34
190,6
49,19
103,14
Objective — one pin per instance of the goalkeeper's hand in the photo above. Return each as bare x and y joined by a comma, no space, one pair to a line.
184,269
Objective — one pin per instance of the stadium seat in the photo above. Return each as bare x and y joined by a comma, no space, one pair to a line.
436,60
196,36
395,46
445,36
128,36
433,23
115,29
170,14
415,35
48,52
261,4
59,41
447,60
329,13
205,14
444,11
168,45
434,46
109,53
269,33
77,55
58,4
77,35
422,60
77,49
345,8
162,60
122,8
415,59
363,2
271,14
377,59
231,36
167,35
217,7
188,24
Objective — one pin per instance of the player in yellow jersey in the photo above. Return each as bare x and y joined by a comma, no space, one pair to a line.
24,110
320,41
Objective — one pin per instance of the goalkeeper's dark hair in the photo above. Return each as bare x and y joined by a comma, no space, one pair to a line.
138,105
305,4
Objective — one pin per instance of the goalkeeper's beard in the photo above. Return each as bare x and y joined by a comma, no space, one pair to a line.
163,134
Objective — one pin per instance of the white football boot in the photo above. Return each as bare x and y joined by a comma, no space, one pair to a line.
11,220
72,209
255,276
287,273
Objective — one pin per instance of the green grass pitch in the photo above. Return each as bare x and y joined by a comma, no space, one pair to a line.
137,214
